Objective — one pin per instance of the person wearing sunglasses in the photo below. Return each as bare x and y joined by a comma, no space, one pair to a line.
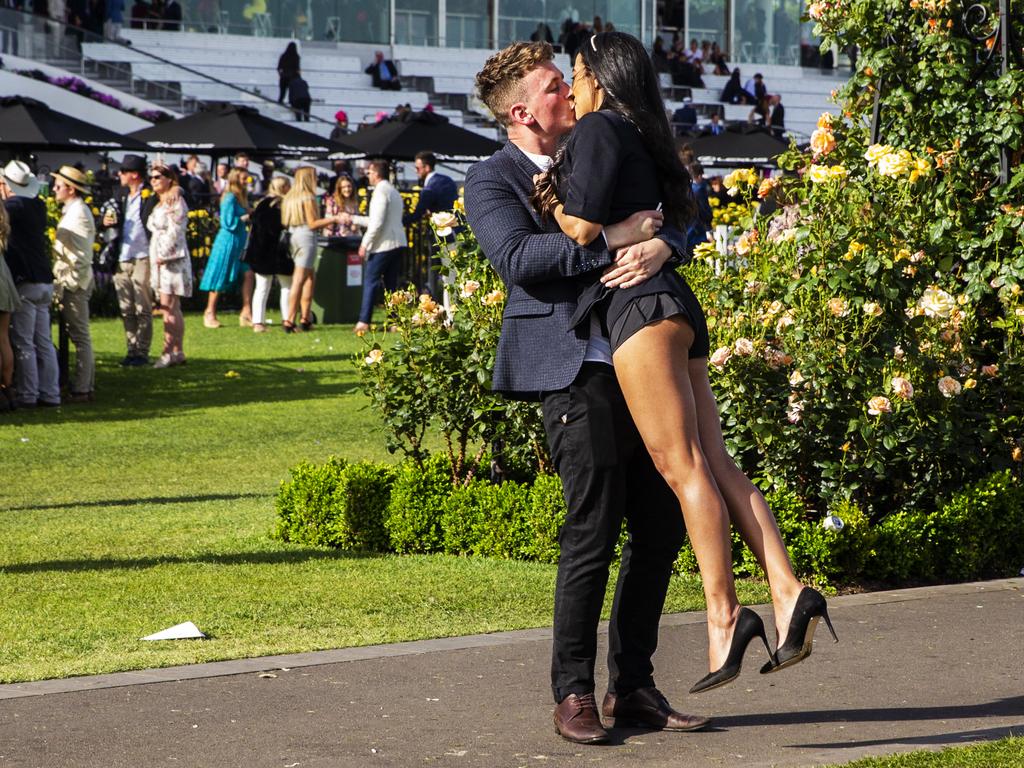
169,263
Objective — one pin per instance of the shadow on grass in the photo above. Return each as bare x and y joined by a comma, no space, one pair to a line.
145,393
287,557
155,500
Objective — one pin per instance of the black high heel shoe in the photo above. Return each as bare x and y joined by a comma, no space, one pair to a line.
810,606
748,626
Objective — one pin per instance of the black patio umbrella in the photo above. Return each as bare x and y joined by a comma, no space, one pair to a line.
30,125
737,147
228,128
401,138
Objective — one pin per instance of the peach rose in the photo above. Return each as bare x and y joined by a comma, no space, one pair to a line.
949,387
720,357
902,387
878,405
744,347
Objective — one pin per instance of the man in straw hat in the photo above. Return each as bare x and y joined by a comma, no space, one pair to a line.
36,376
72,272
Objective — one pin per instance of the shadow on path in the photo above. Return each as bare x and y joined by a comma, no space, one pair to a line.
1011,707
965,737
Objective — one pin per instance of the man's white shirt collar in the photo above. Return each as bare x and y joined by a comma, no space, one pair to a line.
541,161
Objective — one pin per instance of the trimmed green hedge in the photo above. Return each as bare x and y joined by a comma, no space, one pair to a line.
372,507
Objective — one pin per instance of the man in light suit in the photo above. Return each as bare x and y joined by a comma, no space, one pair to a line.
72,273
606,472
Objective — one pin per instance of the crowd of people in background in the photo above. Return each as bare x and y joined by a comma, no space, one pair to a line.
268,231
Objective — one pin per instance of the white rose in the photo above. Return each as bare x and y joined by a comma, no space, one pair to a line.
935,302
796,378
374,357
872,309
833,523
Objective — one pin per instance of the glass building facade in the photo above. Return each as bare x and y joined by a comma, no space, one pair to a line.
765,31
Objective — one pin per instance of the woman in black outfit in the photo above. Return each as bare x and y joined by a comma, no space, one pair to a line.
733,92
287,70
620,159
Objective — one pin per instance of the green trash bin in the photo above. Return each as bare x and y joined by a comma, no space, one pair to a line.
338,290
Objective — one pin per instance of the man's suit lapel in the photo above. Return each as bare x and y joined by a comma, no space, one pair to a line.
524,180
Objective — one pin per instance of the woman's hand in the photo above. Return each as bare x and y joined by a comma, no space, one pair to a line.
641,226
637,263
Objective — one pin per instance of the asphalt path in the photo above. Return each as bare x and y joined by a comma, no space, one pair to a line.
914,669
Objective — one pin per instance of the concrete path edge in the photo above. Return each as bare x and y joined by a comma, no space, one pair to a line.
341,655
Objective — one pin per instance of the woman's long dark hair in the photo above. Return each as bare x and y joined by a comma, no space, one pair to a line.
621,66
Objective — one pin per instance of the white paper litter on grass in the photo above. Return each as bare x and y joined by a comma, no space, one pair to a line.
184,631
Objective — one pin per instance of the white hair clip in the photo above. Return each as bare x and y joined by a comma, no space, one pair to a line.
592,43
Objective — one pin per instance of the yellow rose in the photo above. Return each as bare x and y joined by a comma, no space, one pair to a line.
493,298
825,121
838,172
399,298
876,152
894,163
819,174
374,357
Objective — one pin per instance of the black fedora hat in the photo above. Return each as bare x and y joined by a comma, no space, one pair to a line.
135,163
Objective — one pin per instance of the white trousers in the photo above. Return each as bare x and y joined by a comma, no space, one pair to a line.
262,293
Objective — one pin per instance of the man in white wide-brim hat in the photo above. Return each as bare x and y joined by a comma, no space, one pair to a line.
28,257
72,272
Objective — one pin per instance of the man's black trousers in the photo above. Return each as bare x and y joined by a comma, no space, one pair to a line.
607,476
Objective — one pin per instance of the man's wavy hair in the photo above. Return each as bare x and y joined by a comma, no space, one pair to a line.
500,83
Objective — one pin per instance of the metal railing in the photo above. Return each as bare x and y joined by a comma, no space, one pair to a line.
36,37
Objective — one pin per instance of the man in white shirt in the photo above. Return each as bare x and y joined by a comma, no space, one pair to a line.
384,241
72,272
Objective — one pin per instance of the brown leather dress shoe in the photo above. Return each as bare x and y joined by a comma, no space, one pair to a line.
648,708
576,719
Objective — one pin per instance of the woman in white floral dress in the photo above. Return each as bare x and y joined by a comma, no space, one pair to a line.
170,265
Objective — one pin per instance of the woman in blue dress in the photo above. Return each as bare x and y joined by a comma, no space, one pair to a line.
225,269
621,158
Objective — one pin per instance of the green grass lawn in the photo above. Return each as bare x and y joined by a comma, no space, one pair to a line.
1005,753
153,506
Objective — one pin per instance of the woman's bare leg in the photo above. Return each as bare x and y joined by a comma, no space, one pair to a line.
747,507
652,370
306,303
248,286
299,278
174,323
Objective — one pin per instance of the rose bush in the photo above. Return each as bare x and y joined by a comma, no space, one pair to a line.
432,370
869,340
